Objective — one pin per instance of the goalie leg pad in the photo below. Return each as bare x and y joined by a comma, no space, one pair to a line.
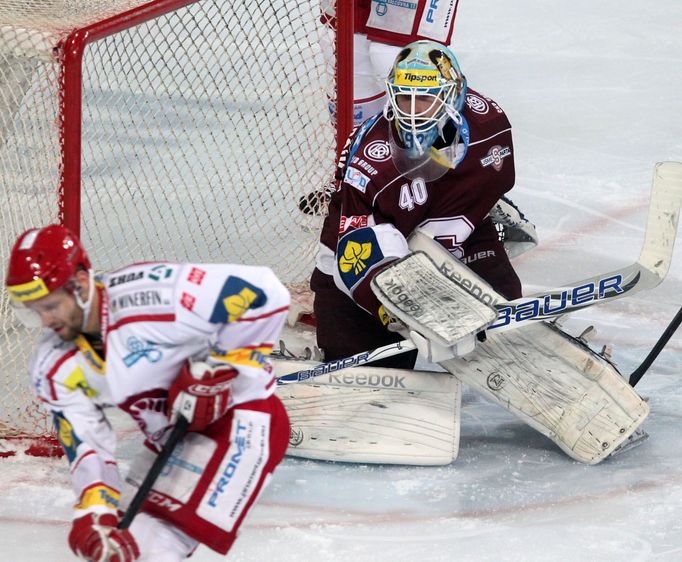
557,386
373,415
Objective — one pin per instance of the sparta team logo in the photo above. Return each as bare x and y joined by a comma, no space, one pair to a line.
495,156
378,150
477,104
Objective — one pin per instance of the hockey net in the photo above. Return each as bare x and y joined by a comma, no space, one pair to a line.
203,123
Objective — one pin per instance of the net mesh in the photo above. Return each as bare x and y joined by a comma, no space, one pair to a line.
201,129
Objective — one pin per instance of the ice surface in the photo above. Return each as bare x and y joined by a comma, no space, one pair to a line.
594,92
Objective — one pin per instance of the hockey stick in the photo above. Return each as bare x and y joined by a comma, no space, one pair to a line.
178,432
353,361
638,373
407,345
646,273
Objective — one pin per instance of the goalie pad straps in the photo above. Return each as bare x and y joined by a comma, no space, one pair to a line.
417,293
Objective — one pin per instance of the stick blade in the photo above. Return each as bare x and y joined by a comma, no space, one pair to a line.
663,218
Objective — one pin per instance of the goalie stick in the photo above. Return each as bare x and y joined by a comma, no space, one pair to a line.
407,345
650,269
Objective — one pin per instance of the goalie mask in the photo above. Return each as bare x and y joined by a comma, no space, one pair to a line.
42,261
426,92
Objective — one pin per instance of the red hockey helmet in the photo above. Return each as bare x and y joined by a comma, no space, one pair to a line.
43,260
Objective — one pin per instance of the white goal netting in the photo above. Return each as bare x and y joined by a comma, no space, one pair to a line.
201,129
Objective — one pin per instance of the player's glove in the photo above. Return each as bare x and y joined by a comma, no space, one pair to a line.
96,538
201,393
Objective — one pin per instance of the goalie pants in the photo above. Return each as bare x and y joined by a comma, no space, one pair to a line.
344,329
214,477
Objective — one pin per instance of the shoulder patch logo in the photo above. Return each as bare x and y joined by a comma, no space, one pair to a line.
495,156
355,256
357,253
356,179
67,437
378,150
236,297
237,305
477,104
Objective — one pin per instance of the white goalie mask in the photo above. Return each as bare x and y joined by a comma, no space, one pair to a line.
426,92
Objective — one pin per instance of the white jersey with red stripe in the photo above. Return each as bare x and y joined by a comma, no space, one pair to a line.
154,317
398,22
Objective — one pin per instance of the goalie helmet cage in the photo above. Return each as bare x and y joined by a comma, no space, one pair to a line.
165,130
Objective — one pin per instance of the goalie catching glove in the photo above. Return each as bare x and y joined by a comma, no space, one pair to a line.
201,393
96,538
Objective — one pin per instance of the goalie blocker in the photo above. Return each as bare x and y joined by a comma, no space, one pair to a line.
440,316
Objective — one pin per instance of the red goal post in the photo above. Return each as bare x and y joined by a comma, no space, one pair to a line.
184,130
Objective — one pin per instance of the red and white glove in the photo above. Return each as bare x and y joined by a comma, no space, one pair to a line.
201,393
96,538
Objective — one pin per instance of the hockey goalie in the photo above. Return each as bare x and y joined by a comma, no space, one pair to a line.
548,379
409,254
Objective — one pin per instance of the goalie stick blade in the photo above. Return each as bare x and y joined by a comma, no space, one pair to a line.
663,217
352,361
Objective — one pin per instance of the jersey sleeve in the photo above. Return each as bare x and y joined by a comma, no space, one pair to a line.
359,247
84,432
244,308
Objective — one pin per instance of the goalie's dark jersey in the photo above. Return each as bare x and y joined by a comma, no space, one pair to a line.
454,208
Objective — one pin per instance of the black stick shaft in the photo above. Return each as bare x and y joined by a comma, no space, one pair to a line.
176,435
638,373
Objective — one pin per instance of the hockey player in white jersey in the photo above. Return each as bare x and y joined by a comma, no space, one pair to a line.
139,338
380,31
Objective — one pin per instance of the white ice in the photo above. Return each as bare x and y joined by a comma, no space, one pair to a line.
594,92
